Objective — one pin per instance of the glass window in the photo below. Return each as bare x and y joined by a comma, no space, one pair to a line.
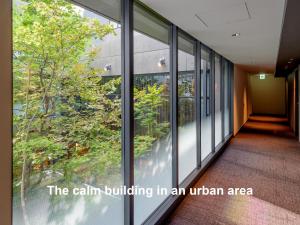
67,113
218,111
67,119
187,150
206,133
152,135
226,98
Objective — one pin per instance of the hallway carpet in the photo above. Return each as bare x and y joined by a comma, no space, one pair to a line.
264,156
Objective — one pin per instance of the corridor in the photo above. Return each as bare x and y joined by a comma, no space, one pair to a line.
265,156
148,112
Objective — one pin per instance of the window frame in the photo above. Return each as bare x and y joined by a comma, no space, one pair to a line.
127,113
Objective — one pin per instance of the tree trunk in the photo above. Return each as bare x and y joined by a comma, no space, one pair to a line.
25,178
24,186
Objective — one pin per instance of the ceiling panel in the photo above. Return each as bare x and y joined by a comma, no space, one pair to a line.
258,21
231,13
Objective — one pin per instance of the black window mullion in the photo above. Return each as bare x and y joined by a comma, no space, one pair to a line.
231,75
212,96
174,103
198,102
222,99
207,89
127,107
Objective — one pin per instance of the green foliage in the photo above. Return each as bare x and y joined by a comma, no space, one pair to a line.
36,147
68,120
148,101
186,86
142,144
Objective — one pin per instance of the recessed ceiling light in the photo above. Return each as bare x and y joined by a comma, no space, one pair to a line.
289,62
236,34
291,59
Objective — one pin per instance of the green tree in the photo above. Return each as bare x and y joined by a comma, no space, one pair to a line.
67,118
53,59
148,102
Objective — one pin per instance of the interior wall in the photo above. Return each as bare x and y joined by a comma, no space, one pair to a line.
291,100
242,101
5,111
268,95
298,103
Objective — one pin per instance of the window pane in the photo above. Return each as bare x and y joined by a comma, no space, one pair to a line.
218,112
206,136
67,113
226,99
152,136
187,150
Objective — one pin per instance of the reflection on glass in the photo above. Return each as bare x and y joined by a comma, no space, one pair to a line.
187,150
226,98
218,111
152,136
67,114
206,135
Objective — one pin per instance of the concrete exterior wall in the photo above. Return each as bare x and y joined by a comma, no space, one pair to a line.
147,53
242,101
268,95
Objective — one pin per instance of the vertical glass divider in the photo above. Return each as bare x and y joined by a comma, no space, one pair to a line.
174,103
212,101
198,102
127,107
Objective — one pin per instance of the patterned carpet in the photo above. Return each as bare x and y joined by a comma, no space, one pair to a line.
264,156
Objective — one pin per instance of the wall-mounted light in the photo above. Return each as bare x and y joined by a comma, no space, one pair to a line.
236,34
107,67
262,76
161,62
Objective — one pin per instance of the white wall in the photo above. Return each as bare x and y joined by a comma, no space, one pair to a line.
242,104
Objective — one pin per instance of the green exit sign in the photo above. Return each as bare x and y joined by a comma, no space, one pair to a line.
262,76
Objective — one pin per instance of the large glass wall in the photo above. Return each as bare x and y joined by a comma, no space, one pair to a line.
187,150
152,136
206,131
218,110
67,113
226,97
67,127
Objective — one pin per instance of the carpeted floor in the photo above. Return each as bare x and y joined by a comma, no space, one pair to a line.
264,156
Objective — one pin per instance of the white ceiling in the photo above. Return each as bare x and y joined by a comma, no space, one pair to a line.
213,22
